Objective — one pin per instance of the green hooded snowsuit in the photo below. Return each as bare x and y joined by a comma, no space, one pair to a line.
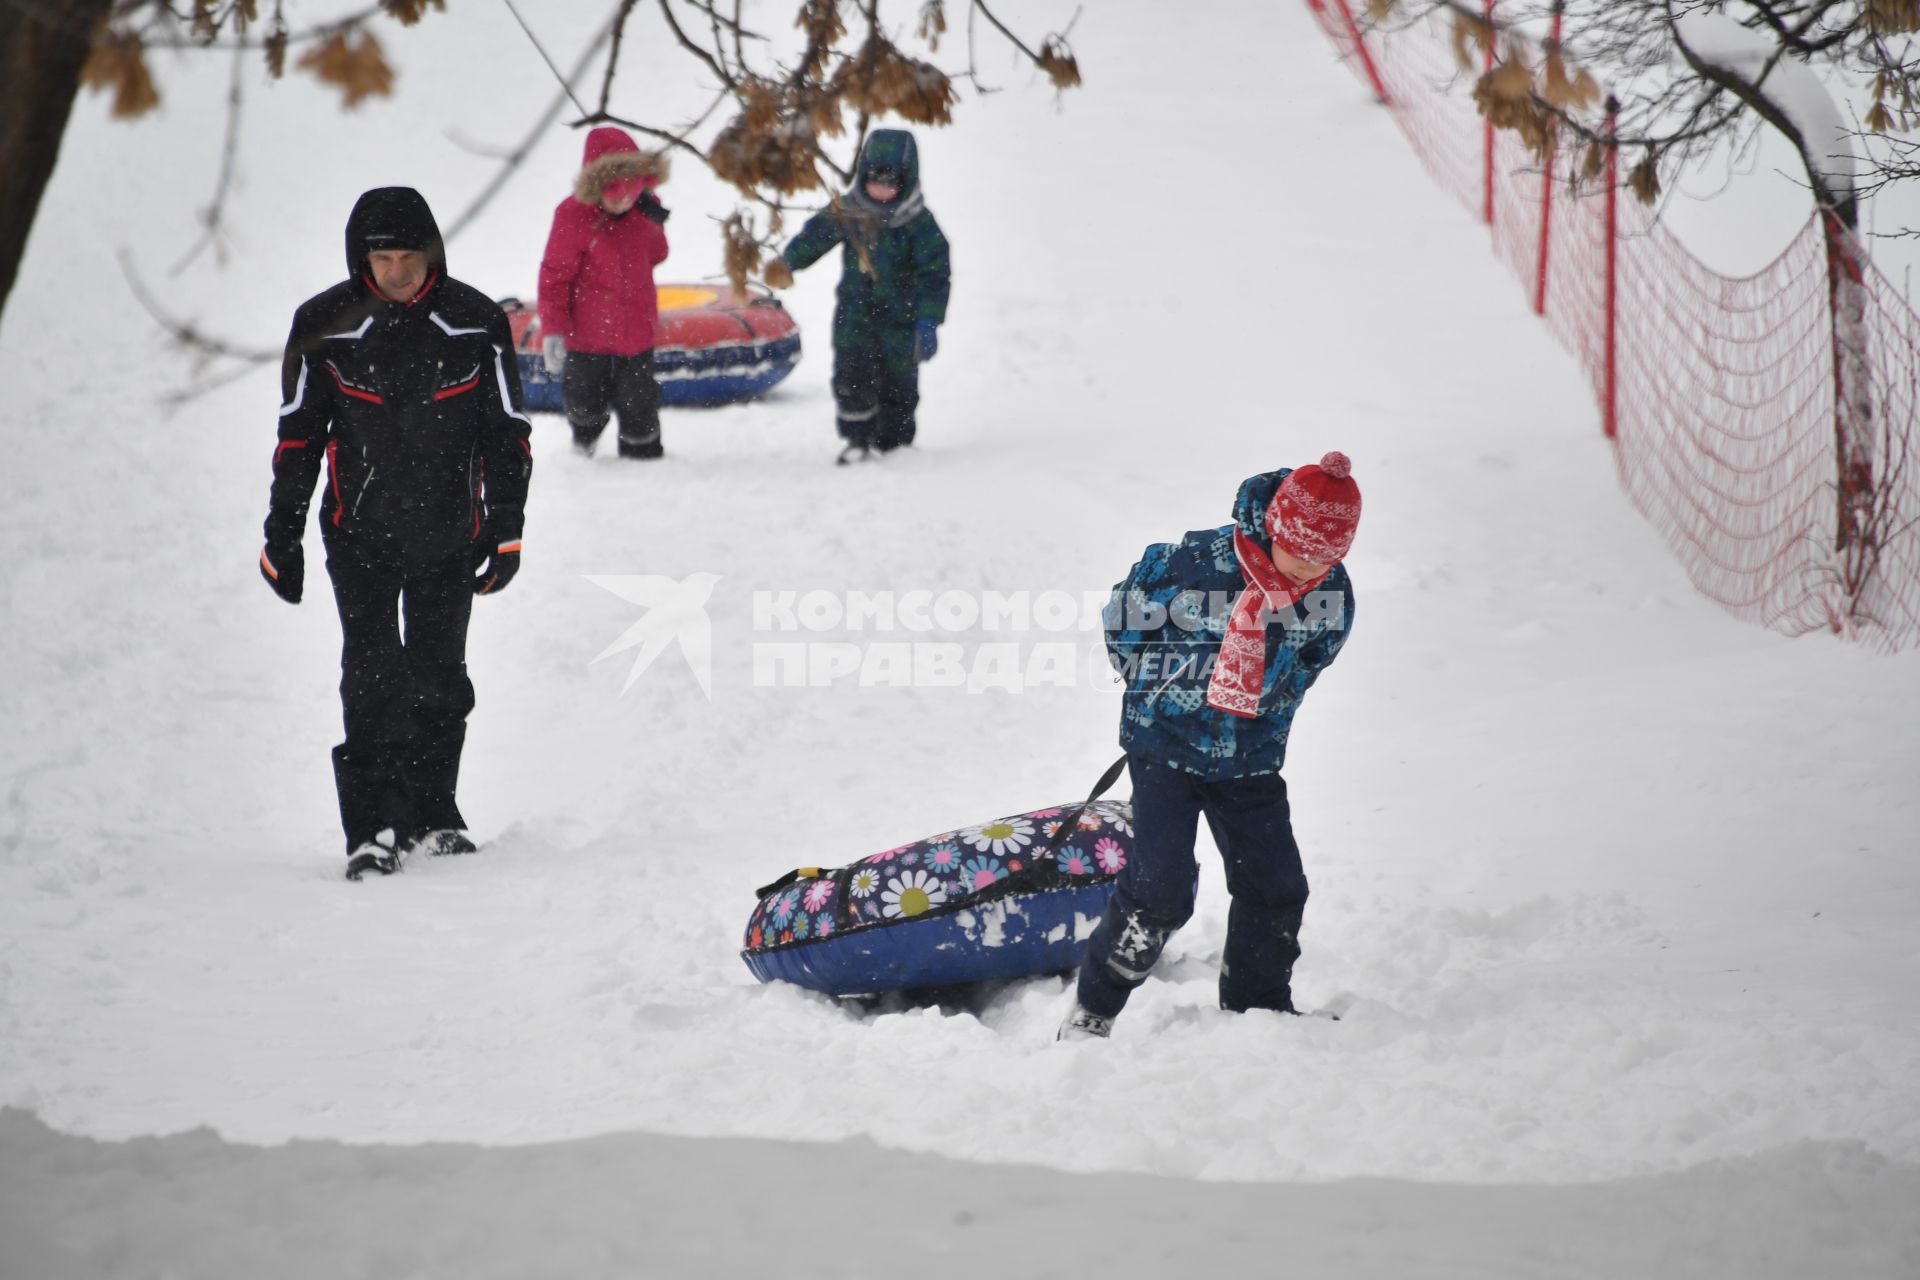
887,308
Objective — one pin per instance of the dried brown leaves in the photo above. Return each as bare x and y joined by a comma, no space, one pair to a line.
820,19
782,158
208,18
119,62
1645,178
762,104
276,50
933,23
1894,105
1505,97
742,254
881,79
1529,100
408,12
1593,161
1057,60
774,141
1576,92
773,144
771,149
357,67
1892,17
1471,34
821,111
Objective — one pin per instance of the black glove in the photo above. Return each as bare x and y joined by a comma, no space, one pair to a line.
498,569
285,569
650,207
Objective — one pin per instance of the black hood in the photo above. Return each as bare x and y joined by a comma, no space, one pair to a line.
392,218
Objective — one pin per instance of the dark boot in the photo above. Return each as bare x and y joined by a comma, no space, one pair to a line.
377,855
442,844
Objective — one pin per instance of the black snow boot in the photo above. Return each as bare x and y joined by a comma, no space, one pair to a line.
442,844
377,854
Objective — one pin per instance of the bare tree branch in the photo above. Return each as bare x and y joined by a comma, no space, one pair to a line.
980,7
675,141
720,72
618,25
566,84
185,331
510,165
167,37
786,139
1675,104
213,217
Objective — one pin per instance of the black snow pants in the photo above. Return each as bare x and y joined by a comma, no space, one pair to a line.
592,386
404,693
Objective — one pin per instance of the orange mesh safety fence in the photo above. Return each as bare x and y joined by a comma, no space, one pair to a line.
1724,403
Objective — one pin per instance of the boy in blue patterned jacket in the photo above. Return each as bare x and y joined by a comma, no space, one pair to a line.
1218,637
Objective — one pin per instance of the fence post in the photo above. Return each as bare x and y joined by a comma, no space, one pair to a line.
1546,188
1360,47
1856,536
1610,411
1486,200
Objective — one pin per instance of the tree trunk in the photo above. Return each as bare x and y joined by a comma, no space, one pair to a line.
43,45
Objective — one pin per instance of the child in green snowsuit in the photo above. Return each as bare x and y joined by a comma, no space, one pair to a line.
892,295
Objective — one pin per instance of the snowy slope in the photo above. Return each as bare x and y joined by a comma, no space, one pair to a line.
1615,893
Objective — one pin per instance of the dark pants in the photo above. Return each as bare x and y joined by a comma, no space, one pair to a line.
405,695
1253,828
874,396
593,386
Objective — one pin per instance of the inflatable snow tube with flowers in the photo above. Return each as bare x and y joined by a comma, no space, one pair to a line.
714,348
1013,898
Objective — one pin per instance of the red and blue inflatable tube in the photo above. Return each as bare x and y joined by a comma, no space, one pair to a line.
714,349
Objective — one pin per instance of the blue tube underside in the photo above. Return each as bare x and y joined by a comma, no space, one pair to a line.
1018,936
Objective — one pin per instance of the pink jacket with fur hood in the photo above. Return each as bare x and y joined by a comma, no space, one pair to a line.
596,278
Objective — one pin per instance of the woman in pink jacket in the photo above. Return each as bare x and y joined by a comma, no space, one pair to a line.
599,316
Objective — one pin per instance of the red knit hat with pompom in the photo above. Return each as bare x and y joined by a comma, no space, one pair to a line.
1316,511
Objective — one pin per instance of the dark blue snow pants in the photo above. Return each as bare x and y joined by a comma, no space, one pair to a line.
876,388
1253,828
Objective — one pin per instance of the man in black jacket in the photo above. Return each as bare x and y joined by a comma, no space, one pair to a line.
403,382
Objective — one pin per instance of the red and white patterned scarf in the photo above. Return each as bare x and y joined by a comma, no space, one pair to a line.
1241,666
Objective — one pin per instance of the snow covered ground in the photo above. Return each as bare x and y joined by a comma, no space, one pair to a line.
1615,894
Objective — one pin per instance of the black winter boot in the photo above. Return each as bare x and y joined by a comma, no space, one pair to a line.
377,854
442,844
